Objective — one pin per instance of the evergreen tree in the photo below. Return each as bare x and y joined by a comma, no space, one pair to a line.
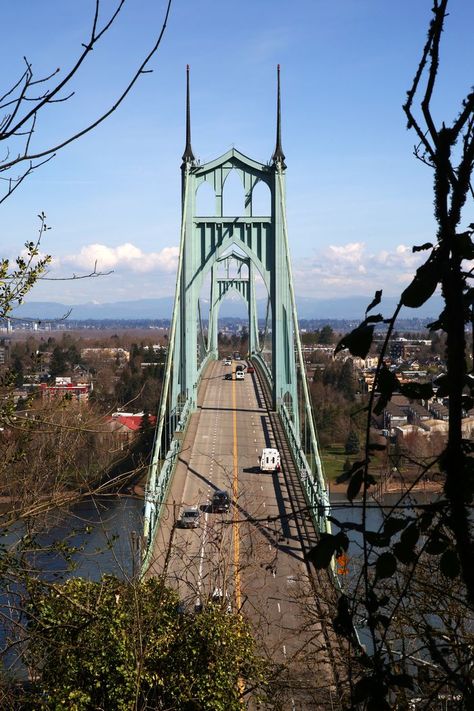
346,382
352,445
326,336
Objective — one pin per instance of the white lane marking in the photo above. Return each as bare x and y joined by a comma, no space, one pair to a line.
284,650
261,487
201,556
273,572
263,504
279,608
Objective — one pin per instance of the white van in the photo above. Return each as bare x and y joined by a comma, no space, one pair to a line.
239,375
270,460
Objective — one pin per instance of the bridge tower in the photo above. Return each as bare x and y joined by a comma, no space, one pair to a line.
255,241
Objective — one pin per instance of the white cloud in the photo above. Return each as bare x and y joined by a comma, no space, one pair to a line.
353,269
125,256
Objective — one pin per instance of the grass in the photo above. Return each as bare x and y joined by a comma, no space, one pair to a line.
334,457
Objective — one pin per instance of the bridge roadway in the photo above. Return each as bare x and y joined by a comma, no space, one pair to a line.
253,553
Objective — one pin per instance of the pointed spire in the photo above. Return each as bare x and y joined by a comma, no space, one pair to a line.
188,154
278,155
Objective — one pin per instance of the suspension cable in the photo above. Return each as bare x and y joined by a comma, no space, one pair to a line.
172,333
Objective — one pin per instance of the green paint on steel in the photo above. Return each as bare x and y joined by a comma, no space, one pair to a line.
210,243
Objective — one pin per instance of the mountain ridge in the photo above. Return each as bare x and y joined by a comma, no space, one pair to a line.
161,308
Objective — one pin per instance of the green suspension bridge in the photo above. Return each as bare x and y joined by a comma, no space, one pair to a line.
211,429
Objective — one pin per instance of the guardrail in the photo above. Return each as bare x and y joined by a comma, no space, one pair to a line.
159,480
263,367
317,495
310,475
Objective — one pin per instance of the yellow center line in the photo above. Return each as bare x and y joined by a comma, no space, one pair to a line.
235,518
235,484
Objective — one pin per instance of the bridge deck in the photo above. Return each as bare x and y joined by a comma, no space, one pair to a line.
254,553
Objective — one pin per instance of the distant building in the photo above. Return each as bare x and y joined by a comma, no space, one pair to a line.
66,390
125,425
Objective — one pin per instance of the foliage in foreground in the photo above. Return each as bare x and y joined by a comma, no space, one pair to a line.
415,590
119,646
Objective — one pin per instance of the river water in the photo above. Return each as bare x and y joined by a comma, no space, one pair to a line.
105,529
105,532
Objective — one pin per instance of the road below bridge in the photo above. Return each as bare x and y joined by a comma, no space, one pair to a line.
254,554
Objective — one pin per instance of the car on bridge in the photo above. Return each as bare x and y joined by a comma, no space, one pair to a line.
190,517
227,361
250,368
220,501
228,376
270,460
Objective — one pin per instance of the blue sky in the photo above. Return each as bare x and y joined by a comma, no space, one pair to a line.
357,199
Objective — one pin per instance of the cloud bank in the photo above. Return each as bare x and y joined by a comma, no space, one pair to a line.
123,257
351,268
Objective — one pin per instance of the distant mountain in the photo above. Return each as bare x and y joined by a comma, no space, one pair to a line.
308,308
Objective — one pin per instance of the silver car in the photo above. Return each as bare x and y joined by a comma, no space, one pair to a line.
190,517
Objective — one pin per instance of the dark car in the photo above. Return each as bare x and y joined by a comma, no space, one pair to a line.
228,376
250,369
220,502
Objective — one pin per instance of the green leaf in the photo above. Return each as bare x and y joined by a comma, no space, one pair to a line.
425,520
321,554
421,247
375,301
342,542
387,382
437,544
358,341
374,319
386,565
410,535
394,524
423,285
355,484
463,245
449,564
404,553
356,466
380,405
417,391
376,538
442,383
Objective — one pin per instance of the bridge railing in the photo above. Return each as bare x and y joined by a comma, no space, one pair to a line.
159,478
162,470
309,474
309,470
263,367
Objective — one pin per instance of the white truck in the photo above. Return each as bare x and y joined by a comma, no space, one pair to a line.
270,460
240,372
